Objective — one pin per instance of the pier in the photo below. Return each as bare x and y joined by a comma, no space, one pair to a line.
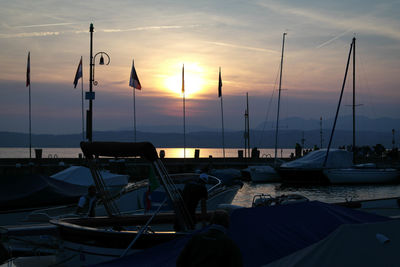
136,167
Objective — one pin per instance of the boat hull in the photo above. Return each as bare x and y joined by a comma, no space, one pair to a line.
302,176
91,241
361,176
263,174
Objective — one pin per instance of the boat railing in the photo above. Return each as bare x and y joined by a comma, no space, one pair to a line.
143,229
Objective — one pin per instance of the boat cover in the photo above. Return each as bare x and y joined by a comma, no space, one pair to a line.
81,175
35,191
369,244
265,234
337,159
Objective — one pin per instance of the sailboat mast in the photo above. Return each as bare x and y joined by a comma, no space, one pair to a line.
248,124
338,107
279,100
354,99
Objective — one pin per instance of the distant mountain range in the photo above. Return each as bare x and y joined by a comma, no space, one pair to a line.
233,139
292,123
343,123
292,130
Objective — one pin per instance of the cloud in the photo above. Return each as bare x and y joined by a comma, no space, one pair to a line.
244,47
368,23
28,34
147,28
45,25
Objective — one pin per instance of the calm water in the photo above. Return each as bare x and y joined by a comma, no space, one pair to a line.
18,152
329,194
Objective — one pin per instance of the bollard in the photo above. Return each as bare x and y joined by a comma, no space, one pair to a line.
197,153
162,154
255,153
38,153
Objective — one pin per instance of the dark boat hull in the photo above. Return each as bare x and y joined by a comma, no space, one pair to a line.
302,176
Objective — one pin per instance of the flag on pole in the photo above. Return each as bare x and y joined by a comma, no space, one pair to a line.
220,84
28,70
78,74
183,78
134,80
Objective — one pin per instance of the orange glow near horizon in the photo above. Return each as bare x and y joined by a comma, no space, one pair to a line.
194,80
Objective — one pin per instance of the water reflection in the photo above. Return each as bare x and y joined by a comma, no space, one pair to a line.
218,153
329,194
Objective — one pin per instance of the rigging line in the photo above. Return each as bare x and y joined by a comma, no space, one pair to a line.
364,75
269,107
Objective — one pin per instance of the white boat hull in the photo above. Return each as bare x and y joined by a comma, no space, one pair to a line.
361,176
263,174
133,202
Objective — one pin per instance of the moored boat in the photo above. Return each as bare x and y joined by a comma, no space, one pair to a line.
262,174
81,175
84,241
362,176
382,206
309,169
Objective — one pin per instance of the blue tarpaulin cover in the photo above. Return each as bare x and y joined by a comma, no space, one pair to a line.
264,234
36,191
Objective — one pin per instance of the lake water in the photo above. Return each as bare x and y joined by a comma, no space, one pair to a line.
49,152
327,193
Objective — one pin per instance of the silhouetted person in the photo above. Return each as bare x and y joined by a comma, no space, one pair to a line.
213,247
87,203
193,193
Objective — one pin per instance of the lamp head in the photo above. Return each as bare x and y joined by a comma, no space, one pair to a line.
101,60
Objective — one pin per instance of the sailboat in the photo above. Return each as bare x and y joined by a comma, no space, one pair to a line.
362,173
267,173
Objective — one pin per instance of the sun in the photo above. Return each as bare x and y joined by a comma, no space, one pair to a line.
193,77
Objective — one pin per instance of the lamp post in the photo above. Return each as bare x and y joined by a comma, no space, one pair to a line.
90,95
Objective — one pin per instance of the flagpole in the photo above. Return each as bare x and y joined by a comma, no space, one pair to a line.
28,83
223,134
134,112
135,84
222,112
184,115
30,124
83,106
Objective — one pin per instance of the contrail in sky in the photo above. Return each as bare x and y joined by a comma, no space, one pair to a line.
334,38
244,47
45,25
151,28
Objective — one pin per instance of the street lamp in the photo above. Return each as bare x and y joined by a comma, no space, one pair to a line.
90,95
101,62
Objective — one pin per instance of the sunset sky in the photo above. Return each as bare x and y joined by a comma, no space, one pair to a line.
243,37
